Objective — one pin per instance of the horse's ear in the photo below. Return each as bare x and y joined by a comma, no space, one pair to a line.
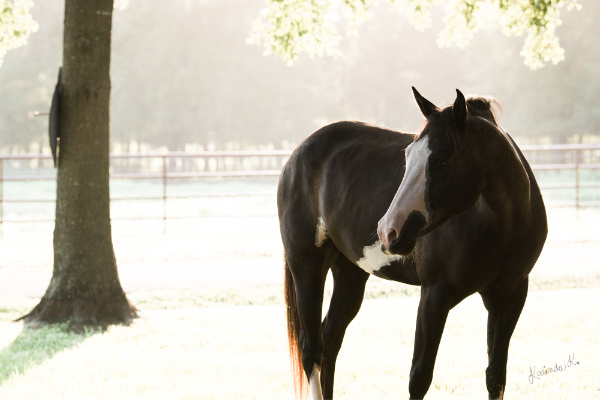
425,105
460,109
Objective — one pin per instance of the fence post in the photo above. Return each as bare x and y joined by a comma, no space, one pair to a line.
164,184
2,198
577,183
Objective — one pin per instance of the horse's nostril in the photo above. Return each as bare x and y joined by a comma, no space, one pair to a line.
391,236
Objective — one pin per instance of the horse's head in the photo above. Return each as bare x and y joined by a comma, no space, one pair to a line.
442,177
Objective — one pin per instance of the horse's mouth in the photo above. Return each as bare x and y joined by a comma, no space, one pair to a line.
402,255
402,248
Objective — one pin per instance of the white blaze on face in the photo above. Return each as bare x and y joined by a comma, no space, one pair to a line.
411,193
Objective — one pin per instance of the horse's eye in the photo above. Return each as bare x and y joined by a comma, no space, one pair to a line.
438,163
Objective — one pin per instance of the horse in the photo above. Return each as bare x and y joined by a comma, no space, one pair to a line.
454,209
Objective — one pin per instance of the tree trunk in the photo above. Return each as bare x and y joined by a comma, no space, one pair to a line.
85,287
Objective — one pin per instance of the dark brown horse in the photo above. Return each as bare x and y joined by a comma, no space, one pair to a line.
462,213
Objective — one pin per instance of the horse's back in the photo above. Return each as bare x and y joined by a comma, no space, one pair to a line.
349,136
343,176
344,150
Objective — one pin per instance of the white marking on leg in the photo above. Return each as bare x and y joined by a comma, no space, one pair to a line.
321,234
315,383
374,259
501,396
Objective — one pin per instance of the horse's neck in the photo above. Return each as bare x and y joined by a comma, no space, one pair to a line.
507,185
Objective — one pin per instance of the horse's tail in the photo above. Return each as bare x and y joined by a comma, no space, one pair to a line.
293,329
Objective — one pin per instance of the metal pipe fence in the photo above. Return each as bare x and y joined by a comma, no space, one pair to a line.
574,157
168,167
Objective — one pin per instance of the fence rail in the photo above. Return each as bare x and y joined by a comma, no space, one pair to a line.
243,164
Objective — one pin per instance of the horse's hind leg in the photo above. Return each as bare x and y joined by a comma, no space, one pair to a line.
309,273
348,291
504,310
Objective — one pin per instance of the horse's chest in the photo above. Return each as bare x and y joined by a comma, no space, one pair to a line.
374,259
392,267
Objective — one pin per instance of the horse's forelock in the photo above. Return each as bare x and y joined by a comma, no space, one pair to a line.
441,127
487,108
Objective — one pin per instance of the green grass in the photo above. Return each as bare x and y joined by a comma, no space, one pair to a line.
219,351
33,347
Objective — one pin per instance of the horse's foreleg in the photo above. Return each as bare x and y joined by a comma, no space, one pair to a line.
431,318
504,310
348,292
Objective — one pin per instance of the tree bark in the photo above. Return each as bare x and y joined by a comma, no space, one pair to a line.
85,287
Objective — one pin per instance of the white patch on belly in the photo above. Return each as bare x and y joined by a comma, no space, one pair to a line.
321,235
374,259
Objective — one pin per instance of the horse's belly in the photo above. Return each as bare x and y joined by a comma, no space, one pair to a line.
392,267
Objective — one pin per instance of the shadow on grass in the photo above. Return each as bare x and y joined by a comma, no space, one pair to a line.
34,346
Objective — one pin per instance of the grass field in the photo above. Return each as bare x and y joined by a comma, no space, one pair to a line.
222,351
227,339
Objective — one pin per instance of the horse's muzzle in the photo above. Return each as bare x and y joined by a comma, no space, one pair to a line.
412,229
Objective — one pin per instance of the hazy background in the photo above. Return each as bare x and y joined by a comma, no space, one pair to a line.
183,77
209,286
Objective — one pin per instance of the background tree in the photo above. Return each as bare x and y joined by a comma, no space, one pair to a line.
85,287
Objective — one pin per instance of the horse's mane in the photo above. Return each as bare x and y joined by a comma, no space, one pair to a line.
485,107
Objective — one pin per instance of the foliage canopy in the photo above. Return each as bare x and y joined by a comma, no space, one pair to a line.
290,27
16,24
